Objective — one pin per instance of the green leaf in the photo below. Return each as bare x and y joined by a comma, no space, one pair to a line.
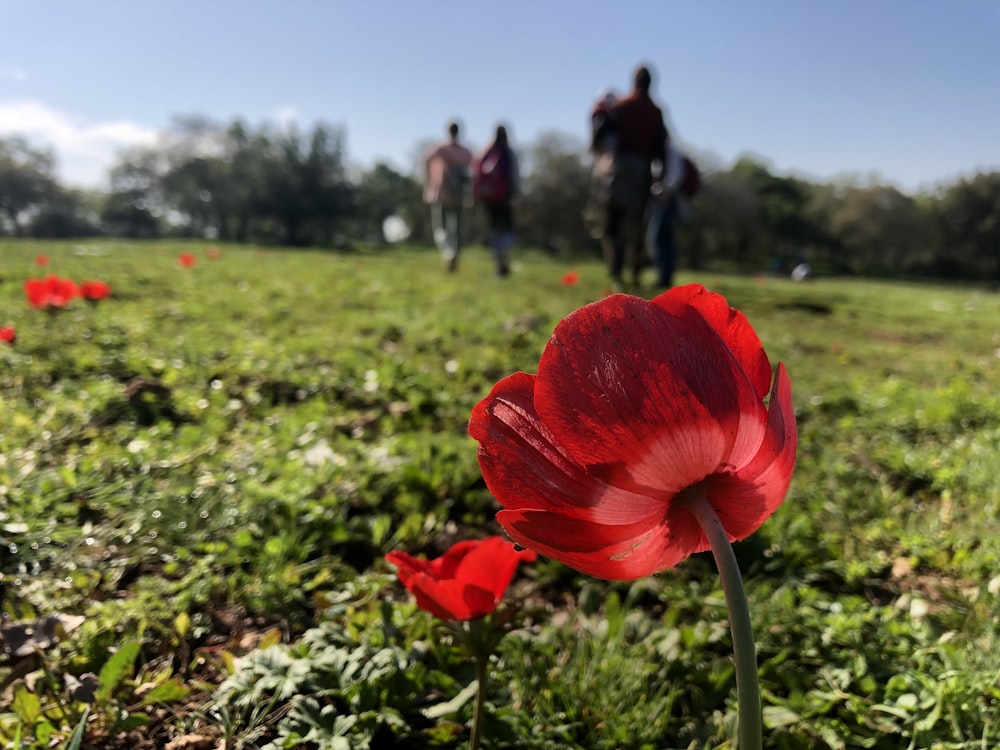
26,705
779,716
182,624
454,705
77,737
115,669
166,692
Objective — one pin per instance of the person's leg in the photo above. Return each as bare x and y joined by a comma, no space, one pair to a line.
452,221
613,244
666,250
444,236
505,237
437,227
635,246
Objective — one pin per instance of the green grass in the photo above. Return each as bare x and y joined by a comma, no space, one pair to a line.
296,415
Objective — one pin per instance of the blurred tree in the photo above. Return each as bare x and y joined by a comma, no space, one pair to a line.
134,208
556,187
383,192
27,181
305,187
67,213
879,229
725,220
969,212
785,228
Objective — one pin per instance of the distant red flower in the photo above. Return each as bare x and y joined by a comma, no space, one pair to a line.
51,292
41,260
186,260
7,334
213,253
94,291
636,404
465,583
570,278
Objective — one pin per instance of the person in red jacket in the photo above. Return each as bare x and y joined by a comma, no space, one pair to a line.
641,140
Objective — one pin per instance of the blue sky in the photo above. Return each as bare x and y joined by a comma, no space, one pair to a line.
908,90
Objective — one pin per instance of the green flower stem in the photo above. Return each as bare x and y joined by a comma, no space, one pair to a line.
744,649
482,665
481,637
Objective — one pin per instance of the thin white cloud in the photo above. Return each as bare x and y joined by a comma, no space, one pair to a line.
85,152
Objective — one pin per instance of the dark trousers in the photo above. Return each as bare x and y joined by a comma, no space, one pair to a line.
623,241
624,238
662,244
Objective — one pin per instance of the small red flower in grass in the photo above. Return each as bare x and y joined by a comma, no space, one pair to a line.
465,583
51,292
41,260
7,334
186,260
213,253
636,404
570,278
94,291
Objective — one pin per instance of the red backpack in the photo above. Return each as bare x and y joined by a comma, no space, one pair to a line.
491,176
691,181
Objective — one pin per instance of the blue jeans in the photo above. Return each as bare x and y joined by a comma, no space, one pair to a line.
446,223
660,240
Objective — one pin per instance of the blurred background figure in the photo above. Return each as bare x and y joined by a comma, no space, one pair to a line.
447,177
495,183
641,138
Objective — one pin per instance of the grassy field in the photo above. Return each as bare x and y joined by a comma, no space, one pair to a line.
200,477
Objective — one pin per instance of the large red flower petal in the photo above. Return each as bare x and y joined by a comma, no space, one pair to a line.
525,468
613,552
623,381
731,325
743,500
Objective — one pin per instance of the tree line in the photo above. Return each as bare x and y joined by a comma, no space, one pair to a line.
284,185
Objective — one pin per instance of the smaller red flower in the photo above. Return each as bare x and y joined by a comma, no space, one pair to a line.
465,583
570,278
186,260
213,253
51,292
7,334
41,260
94,291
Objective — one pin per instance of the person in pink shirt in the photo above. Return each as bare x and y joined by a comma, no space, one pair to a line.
445,190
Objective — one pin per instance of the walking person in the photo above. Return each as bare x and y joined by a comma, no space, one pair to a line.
668,205
641,139
495,183
447,177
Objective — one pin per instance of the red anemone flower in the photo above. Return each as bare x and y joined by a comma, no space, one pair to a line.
570,278
51,292
637,404
7,334
94,291
41,260
465,583
186,260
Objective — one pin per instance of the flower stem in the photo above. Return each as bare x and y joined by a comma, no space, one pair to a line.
482,664
744,649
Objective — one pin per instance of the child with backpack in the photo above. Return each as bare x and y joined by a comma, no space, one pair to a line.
495,182
671,203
